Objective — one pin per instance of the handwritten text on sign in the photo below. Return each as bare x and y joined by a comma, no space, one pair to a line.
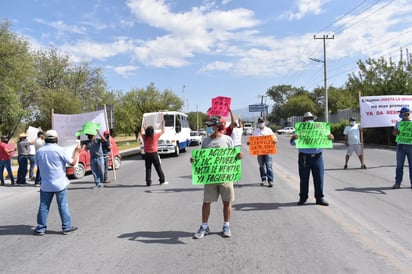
405,133
216,165
220,106
313,135
261,145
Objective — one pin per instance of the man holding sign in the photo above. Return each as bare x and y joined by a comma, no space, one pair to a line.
265,160
403,131
310,139
212,190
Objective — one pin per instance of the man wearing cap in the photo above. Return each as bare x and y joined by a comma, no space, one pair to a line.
5,162
23,151
403,150
352,135
52,160
211,192
265,161
310,159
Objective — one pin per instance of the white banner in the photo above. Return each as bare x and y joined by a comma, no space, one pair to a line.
382,111
67,125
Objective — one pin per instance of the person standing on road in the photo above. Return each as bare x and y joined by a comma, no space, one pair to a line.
211,192
5,162
107,147
52,160
23,151
353,142
235,130
310,159
151,157
96,157
403,150
38,143
265,161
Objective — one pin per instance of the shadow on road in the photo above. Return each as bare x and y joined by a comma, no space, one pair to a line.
261,206
160,237
21,230
369,190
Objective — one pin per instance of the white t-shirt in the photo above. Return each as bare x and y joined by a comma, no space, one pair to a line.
262,131
353,134
237,136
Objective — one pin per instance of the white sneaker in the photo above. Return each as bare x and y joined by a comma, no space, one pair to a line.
201,232
164,183
226,231
263,183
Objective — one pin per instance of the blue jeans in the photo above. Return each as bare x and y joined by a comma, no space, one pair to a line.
403,151
22,171
308,163
265,167
32,161
6,164
45,201
97,165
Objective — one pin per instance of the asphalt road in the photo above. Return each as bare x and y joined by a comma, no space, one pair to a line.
130,228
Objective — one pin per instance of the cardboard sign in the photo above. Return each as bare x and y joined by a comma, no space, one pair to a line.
220,106
216,166
261,145
405,133
313,135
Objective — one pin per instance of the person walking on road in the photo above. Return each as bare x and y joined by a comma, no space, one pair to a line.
216,139
310,159
353,142
52,160
151,157
403,150
5,162
265,161
96,157
23,151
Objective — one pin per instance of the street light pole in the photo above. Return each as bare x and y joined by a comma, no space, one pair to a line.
324,37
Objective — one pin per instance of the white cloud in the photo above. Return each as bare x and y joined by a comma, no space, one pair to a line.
85,49
218,65
305,7
125,71
61,27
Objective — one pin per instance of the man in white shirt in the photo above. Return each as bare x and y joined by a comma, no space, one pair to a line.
352,135
265,161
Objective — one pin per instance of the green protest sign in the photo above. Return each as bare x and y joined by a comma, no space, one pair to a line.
216,165
405,133
313,135
89,128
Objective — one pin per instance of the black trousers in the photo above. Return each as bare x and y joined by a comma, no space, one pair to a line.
153,158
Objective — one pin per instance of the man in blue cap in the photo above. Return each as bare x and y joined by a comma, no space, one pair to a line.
402,150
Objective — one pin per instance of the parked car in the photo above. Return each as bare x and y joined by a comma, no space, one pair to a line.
195,138
286,130
83,166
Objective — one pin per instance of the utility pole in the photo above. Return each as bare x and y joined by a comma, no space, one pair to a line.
261,102
324,37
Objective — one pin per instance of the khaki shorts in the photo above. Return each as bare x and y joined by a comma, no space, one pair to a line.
352,148
211,192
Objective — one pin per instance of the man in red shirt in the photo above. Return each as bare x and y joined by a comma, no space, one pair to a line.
150,140
5,162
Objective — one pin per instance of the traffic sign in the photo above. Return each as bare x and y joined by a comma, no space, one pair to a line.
258,108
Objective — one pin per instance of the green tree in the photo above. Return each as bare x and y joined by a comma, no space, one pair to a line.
196,120
135,103
16,80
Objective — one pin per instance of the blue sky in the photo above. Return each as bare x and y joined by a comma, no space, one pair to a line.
203,49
